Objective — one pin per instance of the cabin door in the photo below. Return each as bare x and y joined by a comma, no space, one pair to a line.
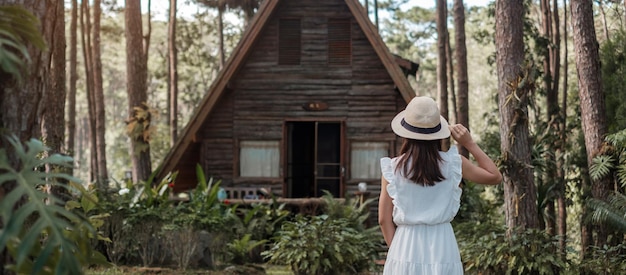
314,159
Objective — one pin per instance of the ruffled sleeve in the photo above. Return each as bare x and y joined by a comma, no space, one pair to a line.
455,165
387,171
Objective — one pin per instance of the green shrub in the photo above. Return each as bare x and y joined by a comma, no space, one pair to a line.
320,245
485,249
605,260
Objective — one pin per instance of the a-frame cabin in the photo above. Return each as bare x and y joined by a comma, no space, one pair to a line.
303,104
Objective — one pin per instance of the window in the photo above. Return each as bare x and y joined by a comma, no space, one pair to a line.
259,159
339,41
365,159
289,42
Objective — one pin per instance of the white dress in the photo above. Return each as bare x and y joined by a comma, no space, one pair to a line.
424,241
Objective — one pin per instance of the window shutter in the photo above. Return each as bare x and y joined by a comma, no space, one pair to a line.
289,33
339,41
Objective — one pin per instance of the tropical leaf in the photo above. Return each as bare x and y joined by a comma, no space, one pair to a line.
601,166
38,232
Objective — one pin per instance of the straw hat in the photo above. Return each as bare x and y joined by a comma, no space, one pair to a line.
421,120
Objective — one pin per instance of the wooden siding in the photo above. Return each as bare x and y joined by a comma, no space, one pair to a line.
263,93
186,178
217,140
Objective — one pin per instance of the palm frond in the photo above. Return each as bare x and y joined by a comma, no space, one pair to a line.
612,211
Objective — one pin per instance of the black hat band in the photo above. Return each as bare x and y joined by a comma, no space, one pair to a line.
420,130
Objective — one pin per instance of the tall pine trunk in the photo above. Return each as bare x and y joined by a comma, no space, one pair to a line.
552,106
173,74
71,93
592,107
460,52
560,195
442,78
85,23
519,189
136,88
102,176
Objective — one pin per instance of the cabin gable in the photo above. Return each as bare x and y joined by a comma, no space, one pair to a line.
312,90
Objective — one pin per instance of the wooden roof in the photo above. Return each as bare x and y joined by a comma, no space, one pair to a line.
241,52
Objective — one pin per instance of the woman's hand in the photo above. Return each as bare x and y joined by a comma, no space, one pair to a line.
486,171
461,134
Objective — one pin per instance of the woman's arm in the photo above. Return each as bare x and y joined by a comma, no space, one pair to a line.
385,213
486,172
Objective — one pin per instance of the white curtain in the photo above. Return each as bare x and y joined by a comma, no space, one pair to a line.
259,158
365,159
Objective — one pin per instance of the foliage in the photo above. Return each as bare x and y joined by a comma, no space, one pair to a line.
354,212
138,209
18,29
613,60
320,245
601,166
612,159
40,234
239,249
141,125
334,243
182,243
613,211
605,260
485,249
149,222
203,210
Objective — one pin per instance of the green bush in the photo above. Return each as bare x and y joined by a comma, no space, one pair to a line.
485,249
334,243
605,260
320,245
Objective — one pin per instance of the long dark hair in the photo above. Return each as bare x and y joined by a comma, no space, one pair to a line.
419,161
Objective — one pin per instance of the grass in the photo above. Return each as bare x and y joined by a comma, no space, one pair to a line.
123,270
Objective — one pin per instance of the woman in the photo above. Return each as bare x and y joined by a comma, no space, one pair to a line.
420,192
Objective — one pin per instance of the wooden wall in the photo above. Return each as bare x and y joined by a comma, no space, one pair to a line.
264,94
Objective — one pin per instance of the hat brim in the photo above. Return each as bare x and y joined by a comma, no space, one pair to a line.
396,126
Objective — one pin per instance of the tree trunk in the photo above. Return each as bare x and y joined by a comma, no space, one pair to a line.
519,188
560,195
220,26
136,88
450,73
592,107
71,93
85,23
52,106
462,110
552,107
173,74
34,107
102,176
442,78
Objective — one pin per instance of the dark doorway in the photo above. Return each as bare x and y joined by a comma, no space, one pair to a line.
313,158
